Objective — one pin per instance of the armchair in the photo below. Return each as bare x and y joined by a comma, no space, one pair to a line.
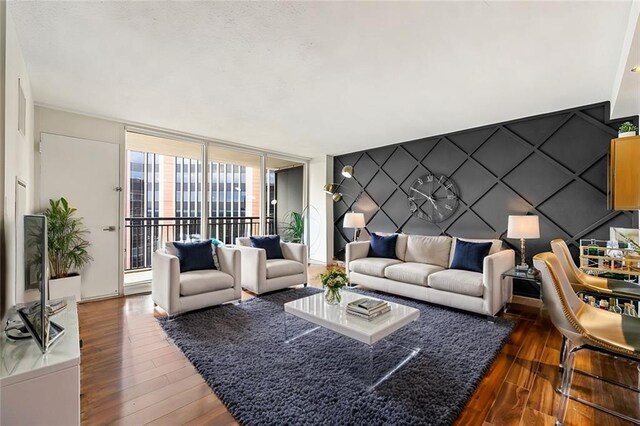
177,292
260,275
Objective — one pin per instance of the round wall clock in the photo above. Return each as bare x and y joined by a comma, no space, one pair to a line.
433,198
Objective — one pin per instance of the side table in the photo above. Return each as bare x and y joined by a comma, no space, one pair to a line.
524,276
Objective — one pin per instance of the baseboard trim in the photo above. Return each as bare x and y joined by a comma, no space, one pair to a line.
137,288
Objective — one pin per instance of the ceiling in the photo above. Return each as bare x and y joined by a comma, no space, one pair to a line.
316,78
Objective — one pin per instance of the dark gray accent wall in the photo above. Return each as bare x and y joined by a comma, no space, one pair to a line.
552,165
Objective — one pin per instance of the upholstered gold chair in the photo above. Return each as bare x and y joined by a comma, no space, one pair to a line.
578,278
584,327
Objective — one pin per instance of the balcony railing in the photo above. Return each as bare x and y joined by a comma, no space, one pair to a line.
143,235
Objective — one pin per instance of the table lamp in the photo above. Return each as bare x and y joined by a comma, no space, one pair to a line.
355,221
523,227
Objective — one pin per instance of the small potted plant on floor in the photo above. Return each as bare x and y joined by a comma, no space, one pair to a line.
333,280
627,129
67,249
294,230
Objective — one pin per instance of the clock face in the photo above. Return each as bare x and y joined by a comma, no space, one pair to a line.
433,198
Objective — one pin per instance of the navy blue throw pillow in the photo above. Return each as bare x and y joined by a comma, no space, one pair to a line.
383,246
195,256
270,244
470,256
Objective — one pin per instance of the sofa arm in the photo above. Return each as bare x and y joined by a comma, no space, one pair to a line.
497,293
230,263
294,251
165,281
253,267
355,250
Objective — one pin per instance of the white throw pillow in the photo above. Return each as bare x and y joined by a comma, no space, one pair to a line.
431,250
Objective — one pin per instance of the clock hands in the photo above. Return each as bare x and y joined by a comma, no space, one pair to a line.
428,197
420,192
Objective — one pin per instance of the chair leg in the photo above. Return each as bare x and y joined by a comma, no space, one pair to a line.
563,352
565,385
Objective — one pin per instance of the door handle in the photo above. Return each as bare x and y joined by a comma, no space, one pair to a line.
110,228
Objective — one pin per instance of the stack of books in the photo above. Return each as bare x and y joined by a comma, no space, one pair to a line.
368,308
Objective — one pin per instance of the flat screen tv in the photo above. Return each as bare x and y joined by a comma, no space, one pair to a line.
35,315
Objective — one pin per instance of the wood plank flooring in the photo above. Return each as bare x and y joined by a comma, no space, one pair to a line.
132,375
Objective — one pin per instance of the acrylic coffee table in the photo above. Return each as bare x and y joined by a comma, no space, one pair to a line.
317,311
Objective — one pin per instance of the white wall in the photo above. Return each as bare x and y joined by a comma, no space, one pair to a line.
18,156
320,210
3,281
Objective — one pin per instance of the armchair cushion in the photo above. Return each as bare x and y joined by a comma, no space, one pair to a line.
470,256
204,281
270,244
283,267
383,246
457,281
195,256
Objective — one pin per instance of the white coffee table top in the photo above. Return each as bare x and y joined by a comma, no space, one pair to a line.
334,317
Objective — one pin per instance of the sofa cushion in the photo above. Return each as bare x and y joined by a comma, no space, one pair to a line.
373,266
457,281
270,244
204,281
283,268
195,256
411,273
496,246
432,250
383,246
470,256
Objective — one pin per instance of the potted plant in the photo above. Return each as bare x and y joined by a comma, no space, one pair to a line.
627,129
294,230
333,280
67,249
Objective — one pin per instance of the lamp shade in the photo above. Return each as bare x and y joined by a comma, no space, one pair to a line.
353,220
329,188
347,171
523,227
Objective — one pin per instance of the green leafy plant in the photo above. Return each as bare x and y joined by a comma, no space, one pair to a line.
627,127
67,247
294,228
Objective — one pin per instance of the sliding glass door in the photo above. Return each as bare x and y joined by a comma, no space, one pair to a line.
179,190
233,194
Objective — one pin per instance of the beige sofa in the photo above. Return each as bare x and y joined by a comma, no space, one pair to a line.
260,275
421,271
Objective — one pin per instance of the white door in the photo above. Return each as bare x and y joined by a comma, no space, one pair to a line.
87,174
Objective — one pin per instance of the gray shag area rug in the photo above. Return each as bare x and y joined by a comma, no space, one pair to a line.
322,377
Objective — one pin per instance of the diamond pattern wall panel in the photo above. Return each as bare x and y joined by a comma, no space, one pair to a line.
552,165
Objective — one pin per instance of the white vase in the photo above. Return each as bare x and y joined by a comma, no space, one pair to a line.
626,134
65,287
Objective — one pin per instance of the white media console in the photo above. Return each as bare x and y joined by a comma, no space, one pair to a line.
37,388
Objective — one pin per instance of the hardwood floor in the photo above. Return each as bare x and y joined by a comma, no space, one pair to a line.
131,374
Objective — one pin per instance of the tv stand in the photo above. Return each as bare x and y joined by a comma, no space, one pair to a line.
37,388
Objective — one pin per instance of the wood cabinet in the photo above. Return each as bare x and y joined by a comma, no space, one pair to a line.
624,173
